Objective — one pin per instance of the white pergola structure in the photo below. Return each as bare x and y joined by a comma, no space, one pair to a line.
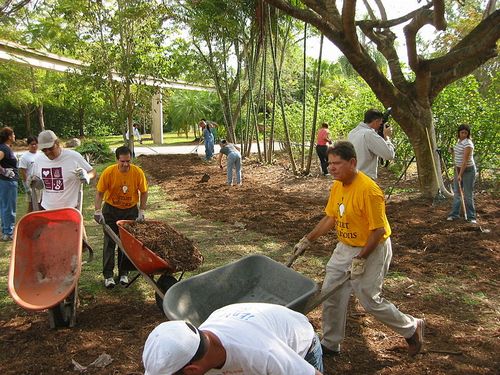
14,52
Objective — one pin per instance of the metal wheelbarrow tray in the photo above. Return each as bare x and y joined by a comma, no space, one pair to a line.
46,260
146,262
254,278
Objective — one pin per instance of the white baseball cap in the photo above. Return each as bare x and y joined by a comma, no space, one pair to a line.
169,347
46,139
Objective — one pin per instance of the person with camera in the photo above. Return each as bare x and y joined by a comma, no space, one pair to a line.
369,144
356,211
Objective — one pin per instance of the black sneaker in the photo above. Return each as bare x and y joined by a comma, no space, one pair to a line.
329,352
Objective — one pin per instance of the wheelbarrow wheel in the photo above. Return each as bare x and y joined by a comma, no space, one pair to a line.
64,314
164,283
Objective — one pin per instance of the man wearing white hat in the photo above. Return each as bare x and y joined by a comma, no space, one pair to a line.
61,172
244,338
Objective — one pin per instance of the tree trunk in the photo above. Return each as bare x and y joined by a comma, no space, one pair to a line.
41,120
421,134
81,116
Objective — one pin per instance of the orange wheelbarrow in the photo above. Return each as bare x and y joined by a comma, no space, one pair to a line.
46,262
146,262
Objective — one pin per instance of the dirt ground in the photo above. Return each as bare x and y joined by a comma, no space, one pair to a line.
444,272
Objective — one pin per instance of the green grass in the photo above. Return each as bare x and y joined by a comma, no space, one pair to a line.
171,138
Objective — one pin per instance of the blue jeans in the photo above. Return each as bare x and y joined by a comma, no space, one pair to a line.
315,355
233,161
8,200
468,179
209,147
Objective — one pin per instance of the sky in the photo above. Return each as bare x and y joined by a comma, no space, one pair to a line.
394,9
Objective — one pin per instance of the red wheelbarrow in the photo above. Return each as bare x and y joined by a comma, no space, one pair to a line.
147,263
46,262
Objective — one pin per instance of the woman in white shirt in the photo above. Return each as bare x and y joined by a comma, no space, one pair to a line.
26,166
465,175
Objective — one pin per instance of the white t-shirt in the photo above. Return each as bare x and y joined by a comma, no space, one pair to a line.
61,185
369,146
261,339
27,160
137,135
459,152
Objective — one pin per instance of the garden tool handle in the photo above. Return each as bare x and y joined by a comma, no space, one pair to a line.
462,199
292,259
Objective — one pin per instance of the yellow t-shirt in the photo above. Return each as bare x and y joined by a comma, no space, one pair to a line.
358,208
121,190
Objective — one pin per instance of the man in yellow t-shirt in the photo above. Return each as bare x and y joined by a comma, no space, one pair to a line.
356,210
122,187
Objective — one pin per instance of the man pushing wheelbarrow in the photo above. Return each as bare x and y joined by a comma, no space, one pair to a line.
122,187
47,250
356,210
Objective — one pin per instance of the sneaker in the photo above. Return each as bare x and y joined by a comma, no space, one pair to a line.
329,352
7,237
472,221
417,340
450,218
109,283
124,280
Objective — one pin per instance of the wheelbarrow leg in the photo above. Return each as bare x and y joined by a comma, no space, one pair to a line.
72,305
64,314
164,283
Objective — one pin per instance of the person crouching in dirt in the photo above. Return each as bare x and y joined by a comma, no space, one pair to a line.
233,156
356,210
243,338
121,186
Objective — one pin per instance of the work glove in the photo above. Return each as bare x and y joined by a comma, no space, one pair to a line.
357,266
35,182
8,172
301,246
140,217
82,175
99,217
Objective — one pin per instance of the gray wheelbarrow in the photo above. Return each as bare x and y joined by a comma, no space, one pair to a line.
254,278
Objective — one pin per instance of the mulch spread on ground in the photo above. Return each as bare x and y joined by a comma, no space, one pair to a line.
445,272
166,242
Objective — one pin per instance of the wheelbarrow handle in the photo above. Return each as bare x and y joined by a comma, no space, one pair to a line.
87,246
321,296
292,259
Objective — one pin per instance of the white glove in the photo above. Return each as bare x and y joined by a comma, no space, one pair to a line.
357,266
35,182
99,217
8,172
140,217
82,175
301,246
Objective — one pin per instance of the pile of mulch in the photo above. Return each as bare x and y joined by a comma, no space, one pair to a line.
169,244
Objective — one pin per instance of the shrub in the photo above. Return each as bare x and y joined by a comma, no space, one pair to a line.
95,152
